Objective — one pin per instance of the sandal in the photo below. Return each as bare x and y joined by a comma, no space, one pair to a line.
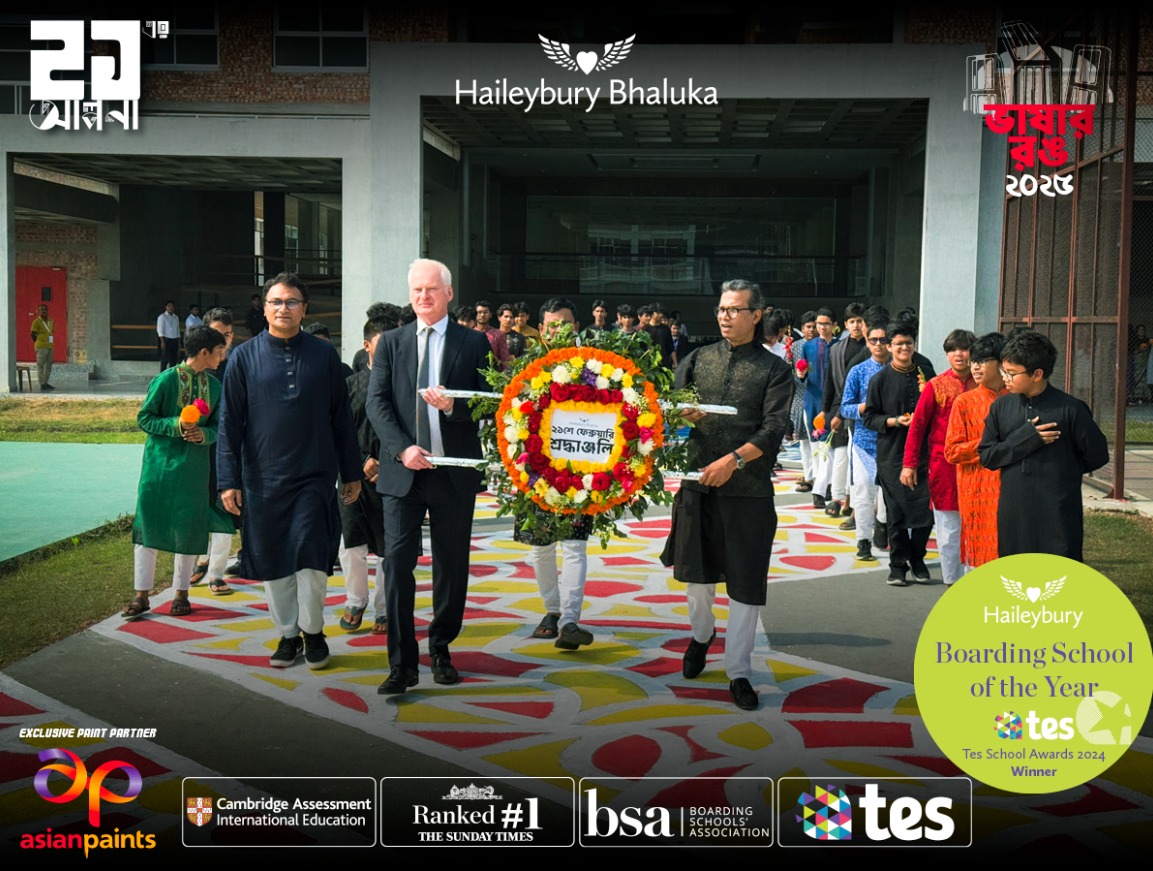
833,509
352,619
200,574
548,627
180,606
220,588
380,626
804,487
136,608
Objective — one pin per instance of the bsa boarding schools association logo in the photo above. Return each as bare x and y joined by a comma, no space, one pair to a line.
617,92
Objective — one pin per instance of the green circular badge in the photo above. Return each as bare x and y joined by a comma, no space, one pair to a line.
1034,673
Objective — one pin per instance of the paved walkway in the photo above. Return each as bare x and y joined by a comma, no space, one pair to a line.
835,676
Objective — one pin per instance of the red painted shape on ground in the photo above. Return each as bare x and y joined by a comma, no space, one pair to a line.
10,707
367,639
841,696
604,589
247,661
18,766
147,767
657,667
680,645
697,792
424,560
523,571
625,561
466,740
823,538
483,600
662,599
699,753
478,663
160,632
347,699
481,614
630,756
812,563
638,624
659,523
650,533
538,710
709,694
1095,801
481,571
202,613
848,733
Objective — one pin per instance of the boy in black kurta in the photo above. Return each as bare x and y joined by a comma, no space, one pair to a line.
1043,440
892,399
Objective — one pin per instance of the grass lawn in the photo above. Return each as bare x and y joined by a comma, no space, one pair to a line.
63,588
104,421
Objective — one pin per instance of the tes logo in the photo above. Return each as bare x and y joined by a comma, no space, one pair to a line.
1009,726
828,814
78,774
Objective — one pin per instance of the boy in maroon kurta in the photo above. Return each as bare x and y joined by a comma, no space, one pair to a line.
930,425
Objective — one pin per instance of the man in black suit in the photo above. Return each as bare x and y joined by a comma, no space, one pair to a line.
416,421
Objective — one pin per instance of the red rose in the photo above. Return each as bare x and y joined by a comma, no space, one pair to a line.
534,443
802,365
603,397
602,481
550,475
539,462
626,452
587,393
630,430
561,392
527,407
578,482
646,434
563,482
534,421
544,401
616,396
629,412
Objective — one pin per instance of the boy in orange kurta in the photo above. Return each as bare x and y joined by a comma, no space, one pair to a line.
978,488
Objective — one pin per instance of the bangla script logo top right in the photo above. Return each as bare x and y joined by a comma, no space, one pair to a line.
1036,94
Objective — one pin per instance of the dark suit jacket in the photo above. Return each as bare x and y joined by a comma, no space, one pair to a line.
392,402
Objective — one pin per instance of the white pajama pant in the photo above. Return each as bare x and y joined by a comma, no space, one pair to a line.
868,501
840,472
296,602
948,525
740,635
219,543
354,564
564,593
144,559
806,460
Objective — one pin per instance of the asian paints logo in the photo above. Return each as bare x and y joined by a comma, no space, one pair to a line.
616,92
77,773
826,814
112,81
1038,95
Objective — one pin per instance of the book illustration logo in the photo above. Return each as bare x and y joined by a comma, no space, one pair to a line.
826,814
1009,726
77,773
199,811
586,61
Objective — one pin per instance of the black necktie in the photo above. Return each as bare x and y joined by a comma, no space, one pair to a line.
423,434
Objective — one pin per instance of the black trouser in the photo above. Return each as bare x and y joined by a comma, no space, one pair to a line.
907,546
169,353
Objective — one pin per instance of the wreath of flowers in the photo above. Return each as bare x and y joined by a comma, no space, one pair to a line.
622,376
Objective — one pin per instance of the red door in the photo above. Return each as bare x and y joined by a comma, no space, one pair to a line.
36,285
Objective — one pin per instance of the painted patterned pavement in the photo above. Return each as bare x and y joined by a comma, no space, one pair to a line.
621,707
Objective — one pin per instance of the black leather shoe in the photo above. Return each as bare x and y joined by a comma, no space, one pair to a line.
695,654
399,679
573,636
744,696
443,670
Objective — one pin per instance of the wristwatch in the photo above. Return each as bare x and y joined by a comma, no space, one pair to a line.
739,459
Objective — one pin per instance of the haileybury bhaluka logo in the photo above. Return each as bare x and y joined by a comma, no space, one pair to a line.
613,92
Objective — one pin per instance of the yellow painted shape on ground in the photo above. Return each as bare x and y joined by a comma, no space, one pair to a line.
540,760
907,707
497,690
223,644
749,735
829,548
45,743
256,624
369,661
524,587
597,689
413,710
598,653
661,712
1135,772
620,610
423,602
488,631
283,683
783,671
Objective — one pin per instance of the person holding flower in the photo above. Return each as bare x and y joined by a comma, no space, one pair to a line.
723,525
180,415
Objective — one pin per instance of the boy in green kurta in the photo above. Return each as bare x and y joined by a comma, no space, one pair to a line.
173,511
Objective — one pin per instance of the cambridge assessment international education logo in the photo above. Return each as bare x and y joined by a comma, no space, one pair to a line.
199,811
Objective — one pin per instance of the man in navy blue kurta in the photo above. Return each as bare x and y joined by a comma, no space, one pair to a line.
286,434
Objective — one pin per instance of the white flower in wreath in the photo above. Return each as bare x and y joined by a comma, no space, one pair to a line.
602,383
511,450
509,420
580,497
645,448
618,374
510,435
587,480
552,497
631,396
561,375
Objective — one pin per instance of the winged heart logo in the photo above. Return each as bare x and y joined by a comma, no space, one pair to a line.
586,61
1019,591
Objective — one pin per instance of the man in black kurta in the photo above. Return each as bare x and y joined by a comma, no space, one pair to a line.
286,434
892,399
724,524
1043,440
